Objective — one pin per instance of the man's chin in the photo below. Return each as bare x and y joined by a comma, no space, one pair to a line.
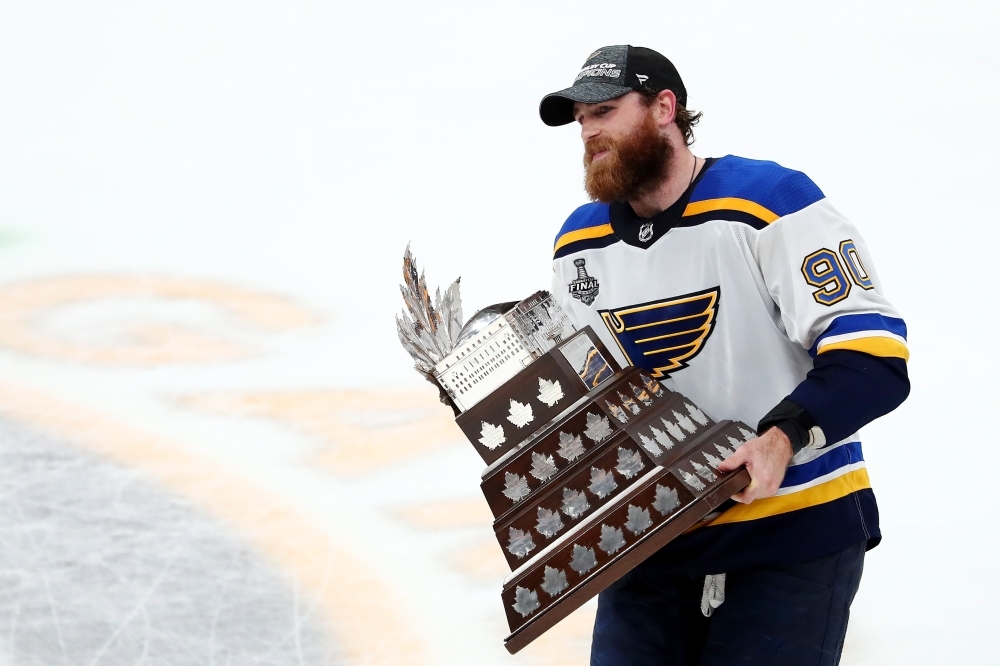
604,196
599,185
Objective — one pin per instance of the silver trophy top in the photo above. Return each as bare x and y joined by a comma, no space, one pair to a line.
468,363
428,331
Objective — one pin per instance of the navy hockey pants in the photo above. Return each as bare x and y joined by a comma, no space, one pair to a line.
782,616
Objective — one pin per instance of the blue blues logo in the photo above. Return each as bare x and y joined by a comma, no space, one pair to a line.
663,336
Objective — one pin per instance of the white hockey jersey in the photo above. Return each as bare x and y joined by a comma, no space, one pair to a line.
748,277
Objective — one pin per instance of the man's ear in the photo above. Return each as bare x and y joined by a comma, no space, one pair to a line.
666,107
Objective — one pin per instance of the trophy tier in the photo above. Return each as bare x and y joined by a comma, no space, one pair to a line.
592,469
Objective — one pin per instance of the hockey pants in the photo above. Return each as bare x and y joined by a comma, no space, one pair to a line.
792,615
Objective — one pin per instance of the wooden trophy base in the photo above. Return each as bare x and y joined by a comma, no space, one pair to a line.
623,562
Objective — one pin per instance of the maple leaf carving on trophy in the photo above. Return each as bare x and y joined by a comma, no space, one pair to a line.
629,404
666,500
602,482
661,437
516,486
549,392
674,431
638,519
650,445
641,394
618,412
525,601
598,427
542,466
612,539
703,472
583,559
696,414
724,451
629,462
549,522
712,460
491,436
575,503
686,423
520,543
570,447
555,581
653,385
428,329
520,414
692,480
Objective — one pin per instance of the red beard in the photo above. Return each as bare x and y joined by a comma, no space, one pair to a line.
635,164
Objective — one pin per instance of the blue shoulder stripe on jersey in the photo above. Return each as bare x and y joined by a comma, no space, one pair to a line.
778,190
834,459
860,323
587,215
587,222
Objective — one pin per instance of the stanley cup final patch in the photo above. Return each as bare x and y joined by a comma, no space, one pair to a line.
584,288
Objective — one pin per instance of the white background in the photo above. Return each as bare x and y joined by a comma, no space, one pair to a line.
296,148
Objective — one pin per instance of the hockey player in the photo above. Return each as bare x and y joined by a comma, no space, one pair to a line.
738,283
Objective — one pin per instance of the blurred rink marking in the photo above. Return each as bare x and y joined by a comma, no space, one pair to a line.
447,514
357,605
128,320
567,643
366,430
54,318
359,430
482,562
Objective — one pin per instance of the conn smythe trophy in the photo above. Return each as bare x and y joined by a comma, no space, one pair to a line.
592,467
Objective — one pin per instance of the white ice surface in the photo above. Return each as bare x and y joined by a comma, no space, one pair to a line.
295,148
97,567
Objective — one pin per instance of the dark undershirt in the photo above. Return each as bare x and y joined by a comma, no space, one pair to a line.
627,226
845,389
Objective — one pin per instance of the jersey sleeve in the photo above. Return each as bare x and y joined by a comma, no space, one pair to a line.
818,271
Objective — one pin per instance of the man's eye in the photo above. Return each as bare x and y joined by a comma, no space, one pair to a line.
603,109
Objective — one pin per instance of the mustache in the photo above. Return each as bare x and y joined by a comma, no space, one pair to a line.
594,146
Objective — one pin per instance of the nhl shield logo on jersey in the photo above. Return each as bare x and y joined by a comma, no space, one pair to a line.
662,336
646,232
584,288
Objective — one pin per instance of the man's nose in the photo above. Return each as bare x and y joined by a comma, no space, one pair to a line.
588,131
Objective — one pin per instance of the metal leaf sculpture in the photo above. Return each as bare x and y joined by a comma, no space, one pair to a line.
427,330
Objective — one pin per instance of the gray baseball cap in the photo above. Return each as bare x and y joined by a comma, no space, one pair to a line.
610,72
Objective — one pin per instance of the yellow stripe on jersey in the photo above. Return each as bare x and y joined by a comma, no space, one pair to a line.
821,494
730,203
582,234
876,346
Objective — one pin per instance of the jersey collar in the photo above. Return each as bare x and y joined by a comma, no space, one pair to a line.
642,232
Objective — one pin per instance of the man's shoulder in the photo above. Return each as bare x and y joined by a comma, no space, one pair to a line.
762,188
588,226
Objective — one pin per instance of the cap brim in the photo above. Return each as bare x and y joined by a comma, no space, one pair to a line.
557,108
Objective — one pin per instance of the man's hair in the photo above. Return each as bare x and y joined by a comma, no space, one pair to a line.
685,119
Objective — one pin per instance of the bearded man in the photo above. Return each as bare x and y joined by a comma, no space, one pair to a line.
738,284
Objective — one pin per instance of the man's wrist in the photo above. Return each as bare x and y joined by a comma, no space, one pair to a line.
797,437
797,424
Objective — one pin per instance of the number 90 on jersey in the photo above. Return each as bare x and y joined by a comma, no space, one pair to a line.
823,269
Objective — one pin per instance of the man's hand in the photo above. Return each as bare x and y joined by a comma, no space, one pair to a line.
766,458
